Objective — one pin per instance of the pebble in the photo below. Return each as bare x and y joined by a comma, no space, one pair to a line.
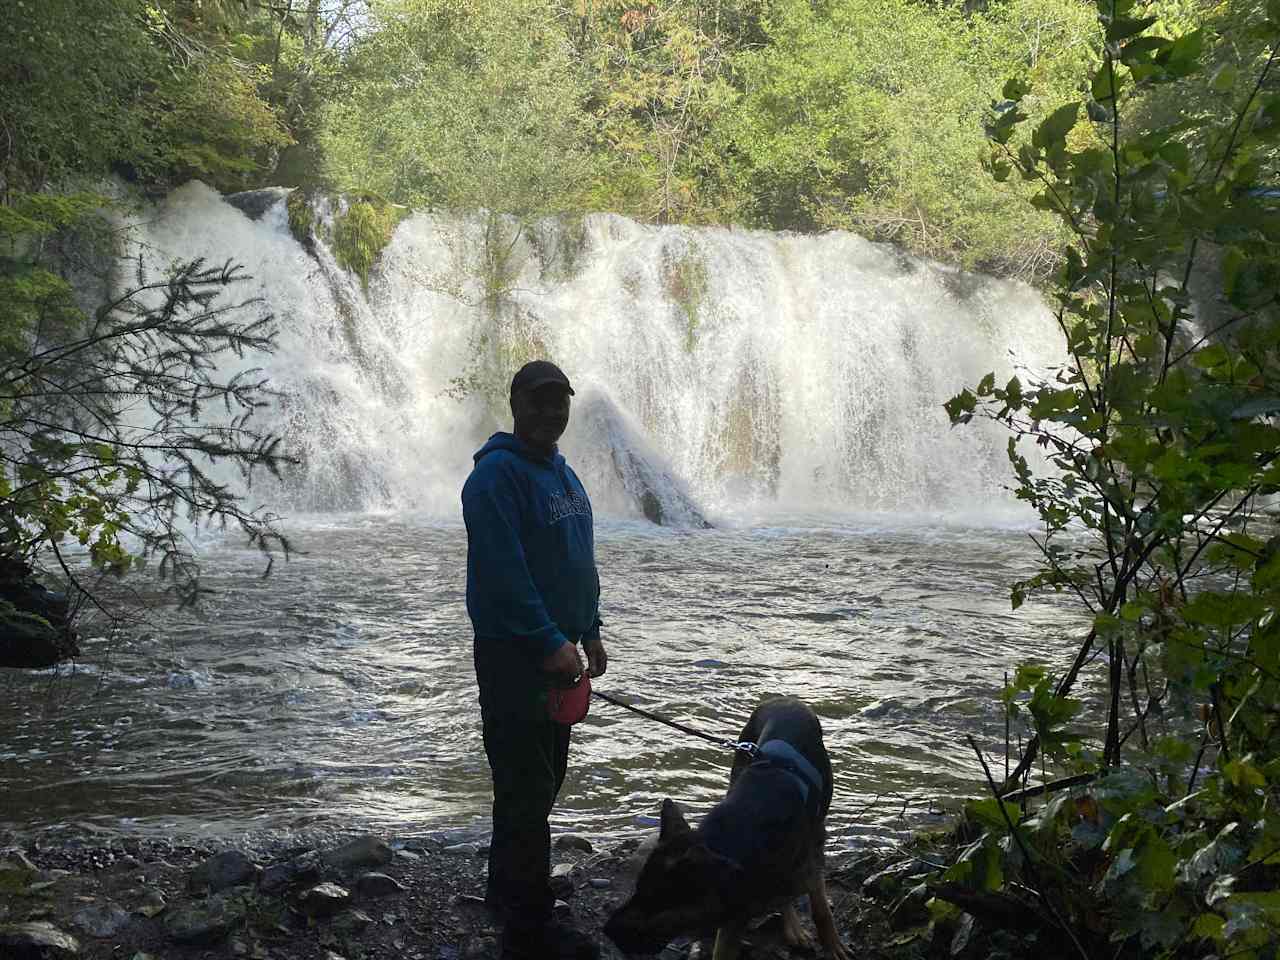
463,849
601,883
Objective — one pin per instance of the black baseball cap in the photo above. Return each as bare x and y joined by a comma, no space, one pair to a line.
538,373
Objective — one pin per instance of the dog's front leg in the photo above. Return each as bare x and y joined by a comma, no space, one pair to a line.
729,941
820,906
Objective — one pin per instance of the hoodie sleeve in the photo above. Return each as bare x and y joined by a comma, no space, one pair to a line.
593,632
497,565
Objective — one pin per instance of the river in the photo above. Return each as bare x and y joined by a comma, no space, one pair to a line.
787,388
339,690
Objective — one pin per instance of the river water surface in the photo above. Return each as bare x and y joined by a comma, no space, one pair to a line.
338,692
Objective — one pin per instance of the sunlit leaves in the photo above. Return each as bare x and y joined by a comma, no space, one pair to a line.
1160,436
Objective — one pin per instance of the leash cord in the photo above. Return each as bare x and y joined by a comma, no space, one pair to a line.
748,748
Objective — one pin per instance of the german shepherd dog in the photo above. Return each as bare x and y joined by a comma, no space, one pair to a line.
755,852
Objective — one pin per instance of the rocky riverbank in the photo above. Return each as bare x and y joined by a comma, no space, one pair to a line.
365,898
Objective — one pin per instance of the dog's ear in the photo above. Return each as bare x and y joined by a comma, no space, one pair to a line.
673,822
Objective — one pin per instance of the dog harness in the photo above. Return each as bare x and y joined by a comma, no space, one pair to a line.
785,757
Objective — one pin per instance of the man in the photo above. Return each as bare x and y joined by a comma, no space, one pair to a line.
532,595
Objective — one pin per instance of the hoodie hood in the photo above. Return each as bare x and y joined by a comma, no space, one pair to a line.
512,443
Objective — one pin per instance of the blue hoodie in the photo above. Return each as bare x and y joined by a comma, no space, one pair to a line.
531,566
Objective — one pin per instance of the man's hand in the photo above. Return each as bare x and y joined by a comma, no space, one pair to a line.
565,661
597,658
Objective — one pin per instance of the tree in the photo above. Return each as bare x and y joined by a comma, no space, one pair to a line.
462,107
660,77
866,114
1162,446
111,425
153,90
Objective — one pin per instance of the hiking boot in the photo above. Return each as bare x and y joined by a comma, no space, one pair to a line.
552,941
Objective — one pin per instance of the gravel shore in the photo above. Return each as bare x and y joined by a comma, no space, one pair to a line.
356,898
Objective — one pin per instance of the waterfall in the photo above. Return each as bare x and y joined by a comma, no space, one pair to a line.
717,370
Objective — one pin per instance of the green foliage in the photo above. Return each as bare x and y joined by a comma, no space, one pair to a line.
209,123
858,114
685,277
866,114
660,78
302,216
1161,443
461,106
153,89
35,301
361,232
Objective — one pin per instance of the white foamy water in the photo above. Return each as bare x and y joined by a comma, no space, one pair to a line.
718,371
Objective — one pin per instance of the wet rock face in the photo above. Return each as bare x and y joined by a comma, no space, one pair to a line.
254,204
36,941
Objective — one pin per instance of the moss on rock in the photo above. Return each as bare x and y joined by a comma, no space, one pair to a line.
362,232
302,217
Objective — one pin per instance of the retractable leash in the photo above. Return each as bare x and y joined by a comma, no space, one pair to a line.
740,746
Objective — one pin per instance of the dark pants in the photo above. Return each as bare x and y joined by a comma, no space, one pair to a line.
528,754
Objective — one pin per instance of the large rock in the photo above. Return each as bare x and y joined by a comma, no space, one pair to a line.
374,885
360,853
302,870
351,923
152,904
324,900
34,626
227,869
14,859
101,920
36,941
17,873
571,841
201,923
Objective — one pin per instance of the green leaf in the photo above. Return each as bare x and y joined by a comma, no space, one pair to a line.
987,812
1143,48
1224,78
960,407
1208,926
1015,89
1106,84
1181,58
1124,27
1013,393
1054,128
